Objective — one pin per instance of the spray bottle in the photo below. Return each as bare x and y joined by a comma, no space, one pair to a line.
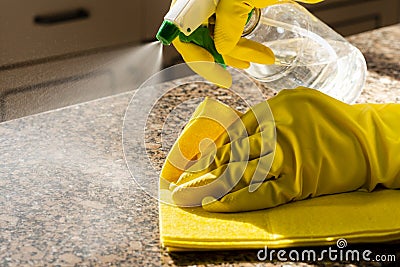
307,51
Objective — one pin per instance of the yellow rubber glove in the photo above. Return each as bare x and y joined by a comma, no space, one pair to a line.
237,52
323,146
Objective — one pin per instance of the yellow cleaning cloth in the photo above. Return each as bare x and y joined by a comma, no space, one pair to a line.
356,216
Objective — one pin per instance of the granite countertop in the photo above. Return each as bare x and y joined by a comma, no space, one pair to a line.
67,197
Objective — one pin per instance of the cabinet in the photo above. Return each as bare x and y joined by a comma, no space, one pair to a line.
55,53
32,30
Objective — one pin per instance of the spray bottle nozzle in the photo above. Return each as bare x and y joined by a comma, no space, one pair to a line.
167,32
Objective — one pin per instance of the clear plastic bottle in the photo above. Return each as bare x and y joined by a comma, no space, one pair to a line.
308,53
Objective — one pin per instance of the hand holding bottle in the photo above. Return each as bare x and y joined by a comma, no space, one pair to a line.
236,51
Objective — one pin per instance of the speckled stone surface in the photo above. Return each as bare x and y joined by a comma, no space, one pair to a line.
68,199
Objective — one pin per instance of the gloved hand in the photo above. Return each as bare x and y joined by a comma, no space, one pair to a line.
238,52
323,146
